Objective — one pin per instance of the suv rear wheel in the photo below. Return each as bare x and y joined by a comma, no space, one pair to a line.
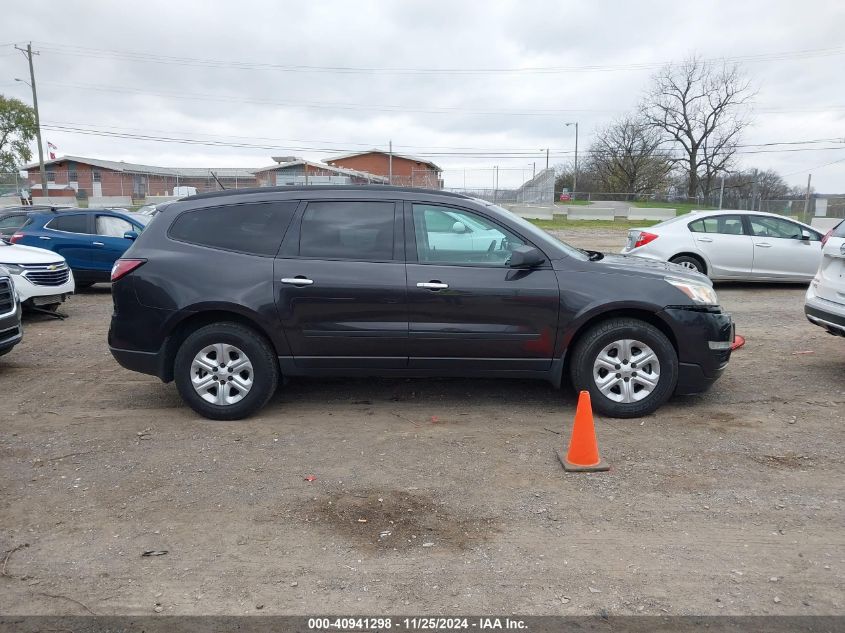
225,371
629,367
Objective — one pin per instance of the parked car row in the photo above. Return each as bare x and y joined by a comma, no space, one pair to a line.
87,240
226,293
46,253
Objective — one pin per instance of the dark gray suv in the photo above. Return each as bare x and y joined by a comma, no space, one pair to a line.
227,292
11,331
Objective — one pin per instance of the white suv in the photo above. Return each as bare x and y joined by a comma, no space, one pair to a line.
42,278
825,303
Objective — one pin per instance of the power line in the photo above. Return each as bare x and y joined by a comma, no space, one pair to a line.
340,148
76,125
139,56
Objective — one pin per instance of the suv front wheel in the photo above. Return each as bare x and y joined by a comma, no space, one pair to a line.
225,371
629,367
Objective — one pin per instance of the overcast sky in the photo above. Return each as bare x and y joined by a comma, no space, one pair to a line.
260,74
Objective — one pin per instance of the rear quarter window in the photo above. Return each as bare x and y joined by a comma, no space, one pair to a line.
75,223
253,228
839,231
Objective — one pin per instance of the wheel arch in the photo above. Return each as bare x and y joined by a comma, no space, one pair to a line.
697,256
642,314
192,322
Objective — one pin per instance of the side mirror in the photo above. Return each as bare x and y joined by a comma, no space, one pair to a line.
459,227
526,257
805,235
130,235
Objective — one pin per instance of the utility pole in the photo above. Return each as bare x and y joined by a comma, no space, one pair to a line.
390,164
534,171
496,186
575,171
722,192
754,190
807,198
547,158
28,53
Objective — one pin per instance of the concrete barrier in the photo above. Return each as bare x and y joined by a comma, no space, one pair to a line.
110,201
642,213
591,213
531,212
59,201
824,224
10,201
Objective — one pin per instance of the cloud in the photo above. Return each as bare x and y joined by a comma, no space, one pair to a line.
207,99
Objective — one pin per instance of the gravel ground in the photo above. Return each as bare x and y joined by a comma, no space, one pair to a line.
431,496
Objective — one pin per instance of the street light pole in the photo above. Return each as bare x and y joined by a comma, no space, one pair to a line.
575,172
28,52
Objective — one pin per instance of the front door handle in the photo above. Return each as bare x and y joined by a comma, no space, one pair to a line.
763,245
704,239
297,281
44,237
432,285
98,244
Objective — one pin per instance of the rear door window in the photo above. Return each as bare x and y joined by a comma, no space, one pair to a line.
12,222
112,226
70,223
724,224
348,230
254,228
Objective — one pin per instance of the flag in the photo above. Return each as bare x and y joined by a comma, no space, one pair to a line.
51,150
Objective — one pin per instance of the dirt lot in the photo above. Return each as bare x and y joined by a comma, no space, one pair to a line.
435,496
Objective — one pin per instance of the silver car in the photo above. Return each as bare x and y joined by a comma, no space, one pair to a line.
733,245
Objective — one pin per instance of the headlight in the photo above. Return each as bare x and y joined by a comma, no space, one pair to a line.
12,268
697,292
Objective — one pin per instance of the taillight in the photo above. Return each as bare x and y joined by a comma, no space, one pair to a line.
827,237
123,267
644,238
17,237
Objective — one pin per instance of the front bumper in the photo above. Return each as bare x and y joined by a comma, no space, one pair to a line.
11,331
703,337
826,314
29,292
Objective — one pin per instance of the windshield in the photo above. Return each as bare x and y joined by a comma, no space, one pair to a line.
537,234
147,209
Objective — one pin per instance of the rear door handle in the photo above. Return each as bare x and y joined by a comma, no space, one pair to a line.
432,285
44,237
704,239
98,244
297,281
763,245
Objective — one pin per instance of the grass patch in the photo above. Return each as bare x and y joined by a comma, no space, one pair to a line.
574,203
564,224
681,207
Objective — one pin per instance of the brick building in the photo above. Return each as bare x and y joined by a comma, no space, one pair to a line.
79,177
290,170
408,171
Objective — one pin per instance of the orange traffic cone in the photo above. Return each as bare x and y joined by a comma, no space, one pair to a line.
583,453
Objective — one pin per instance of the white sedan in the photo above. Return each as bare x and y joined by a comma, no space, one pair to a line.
733,245
42,278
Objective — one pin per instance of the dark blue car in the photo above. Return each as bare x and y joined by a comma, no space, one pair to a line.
89,239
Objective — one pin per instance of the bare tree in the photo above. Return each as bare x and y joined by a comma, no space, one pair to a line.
697,106
626,157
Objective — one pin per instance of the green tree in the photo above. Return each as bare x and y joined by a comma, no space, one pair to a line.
17,130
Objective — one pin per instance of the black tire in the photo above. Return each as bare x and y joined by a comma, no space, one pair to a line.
597,338
264,375
690,261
